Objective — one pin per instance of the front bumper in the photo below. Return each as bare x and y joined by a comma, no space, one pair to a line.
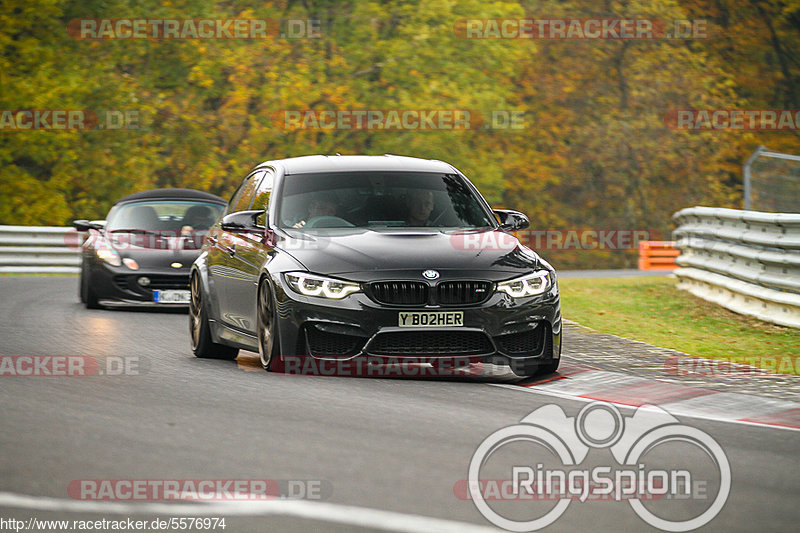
503,331
118,286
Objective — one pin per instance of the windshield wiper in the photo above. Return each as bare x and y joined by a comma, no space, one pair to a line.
134,230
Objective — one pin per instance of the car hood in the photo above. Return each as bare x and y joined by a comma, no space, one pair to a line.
360,253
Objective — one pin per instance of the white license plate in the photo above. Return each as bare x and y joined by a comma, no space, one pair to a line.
171,297
424,319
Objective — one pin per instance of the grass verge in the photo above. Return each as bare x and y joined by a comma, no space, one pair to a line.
653,310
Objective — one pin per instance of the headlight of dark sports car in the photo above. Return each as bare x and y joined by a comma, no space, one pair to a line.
109,255
528,285
320,286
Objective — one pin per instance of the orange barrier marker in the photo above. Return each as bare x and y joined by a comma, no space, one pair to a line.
657,255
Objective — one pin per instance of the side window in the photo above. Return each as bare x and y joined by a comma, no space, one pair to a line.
261,196
241,200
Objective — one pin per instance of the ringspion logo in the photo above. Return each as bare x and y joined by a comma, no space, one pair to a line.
543,459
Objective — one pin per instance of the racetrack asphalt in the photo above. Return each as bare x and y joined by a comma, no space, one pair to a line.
389,454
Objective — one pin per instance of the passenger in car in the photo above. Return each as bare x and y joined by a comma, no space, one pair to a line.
420,206
142,217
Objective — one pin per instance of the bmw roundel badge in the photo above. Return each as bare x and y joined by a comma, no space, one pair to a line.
430,274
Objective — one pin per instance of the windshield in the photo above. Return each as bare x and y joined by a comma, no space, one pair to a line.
163,217
150,224
380,200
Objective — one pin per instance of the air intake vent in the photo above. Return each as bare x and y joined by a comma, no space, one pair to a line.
426,343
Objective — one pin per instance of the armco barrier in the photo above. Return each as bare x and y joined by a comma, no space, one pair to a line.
39,249
747,261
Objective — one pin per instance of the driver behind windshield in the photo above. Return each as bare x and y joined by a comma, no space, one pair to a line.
196,222
197,218
321,205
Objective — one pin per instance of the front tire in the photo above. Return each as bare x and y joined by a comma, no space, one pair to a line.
268,345
81,281
199,330
87,294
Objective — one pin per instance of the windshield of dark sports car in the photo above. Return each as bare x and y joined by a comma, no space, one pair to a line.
380,200
163,216
149,223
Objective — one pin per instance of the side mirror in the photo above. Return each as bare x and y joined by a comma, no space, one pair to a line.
86,225
511,220
243,221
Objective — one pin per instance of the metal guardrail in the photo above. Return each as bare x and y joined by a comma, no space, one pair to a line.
40,249
746,261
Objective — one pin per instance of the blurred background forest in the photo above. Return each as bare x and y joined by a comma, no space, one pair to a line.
594,152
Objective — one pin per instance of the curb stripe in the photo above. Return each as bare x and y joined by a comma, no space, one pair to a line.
655,393
587,384
788,418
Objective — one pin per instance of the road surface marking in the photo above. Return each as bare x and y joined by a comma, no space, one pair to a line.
317,511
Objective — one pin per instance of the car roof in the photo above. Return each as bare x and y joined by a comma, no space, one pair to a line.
345,163
172,194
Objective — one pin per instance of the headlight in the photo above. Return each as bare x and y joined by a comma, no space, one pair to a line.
529,285
109,255
322,287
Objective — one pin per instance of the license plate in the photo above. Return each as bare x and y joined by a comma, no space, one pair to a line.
430,319
171,297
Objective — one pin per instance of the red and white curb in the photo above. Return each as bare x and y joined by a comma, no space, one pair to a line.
583,383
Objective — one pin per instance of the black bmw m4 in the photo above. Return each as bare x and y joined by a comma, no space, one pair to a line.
344,264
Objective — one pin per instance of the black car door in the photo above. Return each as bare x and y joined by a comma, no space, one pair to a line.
226,270
248,257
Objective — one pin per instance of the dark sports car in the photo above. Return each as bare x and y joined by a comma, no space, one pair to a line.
320,263
141,254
